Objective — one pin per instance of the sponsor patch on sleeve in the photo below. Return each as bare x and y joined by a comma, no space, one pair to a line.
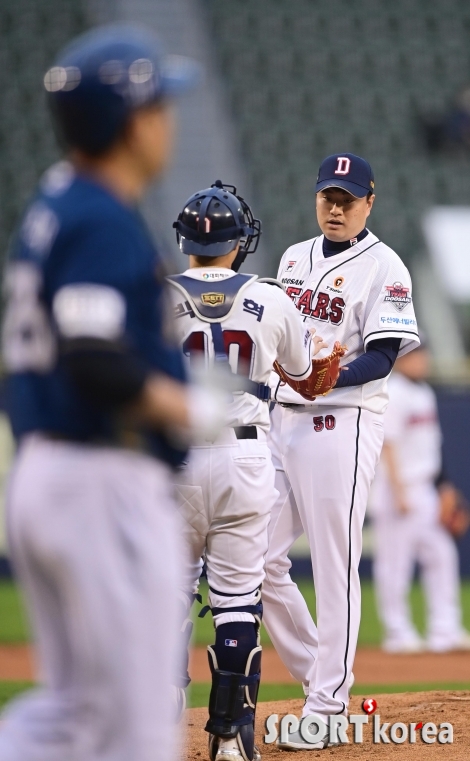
397,295
387,319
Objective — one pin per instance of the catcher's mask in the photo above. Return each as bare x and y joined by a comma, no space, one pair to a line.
214,220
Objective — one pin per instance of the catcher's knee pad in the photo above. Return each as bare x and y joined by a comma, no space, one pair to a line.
254,609
234,694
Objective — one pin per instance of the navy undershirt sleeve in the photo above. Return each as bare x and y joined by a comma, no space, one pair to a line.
376,363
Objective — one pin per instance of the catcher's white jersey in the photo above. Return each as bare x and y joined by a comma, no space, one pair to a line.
359,295
262,326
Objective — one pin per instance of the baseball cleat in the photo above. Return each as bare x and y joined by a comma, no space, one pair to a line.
295,741
461,642
228,750
415,645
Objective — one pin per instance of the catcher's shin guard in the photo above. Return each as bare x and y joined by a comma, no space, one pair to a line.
232,703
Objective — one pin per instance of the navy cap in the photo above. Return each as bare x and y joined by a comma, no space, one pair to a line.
101,77
346,171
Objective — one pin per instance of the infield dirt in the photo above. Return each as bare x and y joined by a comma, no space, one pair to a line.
437,707
371,666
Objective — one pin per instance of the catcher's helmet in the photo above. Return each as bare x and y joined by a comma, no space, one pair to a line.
214,220
104,75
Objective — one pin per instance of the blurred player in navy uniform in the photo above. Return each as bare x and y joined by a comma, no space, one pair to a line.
96,396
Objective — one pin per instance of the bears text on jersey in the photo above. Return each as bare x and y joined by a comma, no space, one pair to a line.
319,306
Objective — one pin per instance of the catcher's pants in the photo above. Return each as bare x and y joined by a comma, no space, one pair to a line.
400,542
323,490
225,495
93,540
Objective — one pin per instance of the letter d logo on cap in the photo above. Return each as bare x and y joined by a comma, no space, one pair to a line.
344,165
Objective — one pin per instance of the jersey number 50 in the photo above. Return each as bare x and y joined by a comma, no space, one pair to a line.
197,345
319,423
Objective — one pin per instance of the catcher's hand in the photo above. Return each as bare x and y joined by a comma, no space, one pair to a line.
325,373
454,510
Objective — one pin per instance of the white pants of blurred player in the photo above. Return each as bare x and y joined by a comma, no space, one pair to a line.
93,542
400,542
323,477
225,495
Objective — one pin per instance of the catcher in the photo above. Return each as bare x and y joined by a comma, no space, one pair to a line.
416,516
226,491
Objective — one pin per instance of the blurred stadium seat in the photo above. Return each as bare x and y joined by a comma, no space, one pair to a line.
31,33
307,78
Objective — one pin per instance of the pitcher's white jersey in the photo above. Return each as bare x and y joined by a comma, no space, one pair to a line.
356,296
263,326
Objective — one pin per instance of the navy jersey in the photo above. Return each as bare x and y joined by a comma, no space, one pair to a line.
81,261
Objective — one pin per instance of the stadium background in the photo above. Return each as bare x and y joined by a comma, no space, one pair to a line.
286,83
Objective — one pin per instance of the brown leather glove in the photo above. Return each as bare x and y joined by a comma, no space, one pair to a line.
325,373
454,510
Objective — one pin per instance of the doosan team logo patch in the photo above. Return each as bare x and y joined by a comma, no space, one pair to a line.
290,266
397,294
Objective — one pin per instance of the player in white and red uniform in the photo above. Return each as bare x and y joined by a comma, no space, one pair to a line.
405,507
226,491
356,290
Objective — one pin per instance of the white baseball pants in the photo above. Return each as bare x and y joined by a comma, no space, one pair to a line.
93,541
400,542
328,466
225,495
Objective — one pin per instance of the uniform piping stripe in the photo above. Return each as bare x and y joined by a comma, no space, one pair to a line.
392,330
311,252
353,495
277,388
341,264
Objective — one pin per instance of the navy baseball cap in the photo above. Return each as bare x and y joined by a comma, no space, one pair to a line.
346,171
104,75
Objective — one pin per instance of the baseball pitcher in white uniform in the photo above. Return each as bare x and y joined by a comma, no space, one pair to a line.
227,489
405,507
357,291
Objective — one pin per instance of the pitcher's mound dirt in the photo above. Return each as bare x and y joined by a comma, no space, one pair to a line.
437,707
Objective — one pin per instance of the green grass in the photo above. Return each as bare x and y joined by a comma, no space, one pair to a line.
199,691
14,627
9,690
370,632
366,690
13,621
